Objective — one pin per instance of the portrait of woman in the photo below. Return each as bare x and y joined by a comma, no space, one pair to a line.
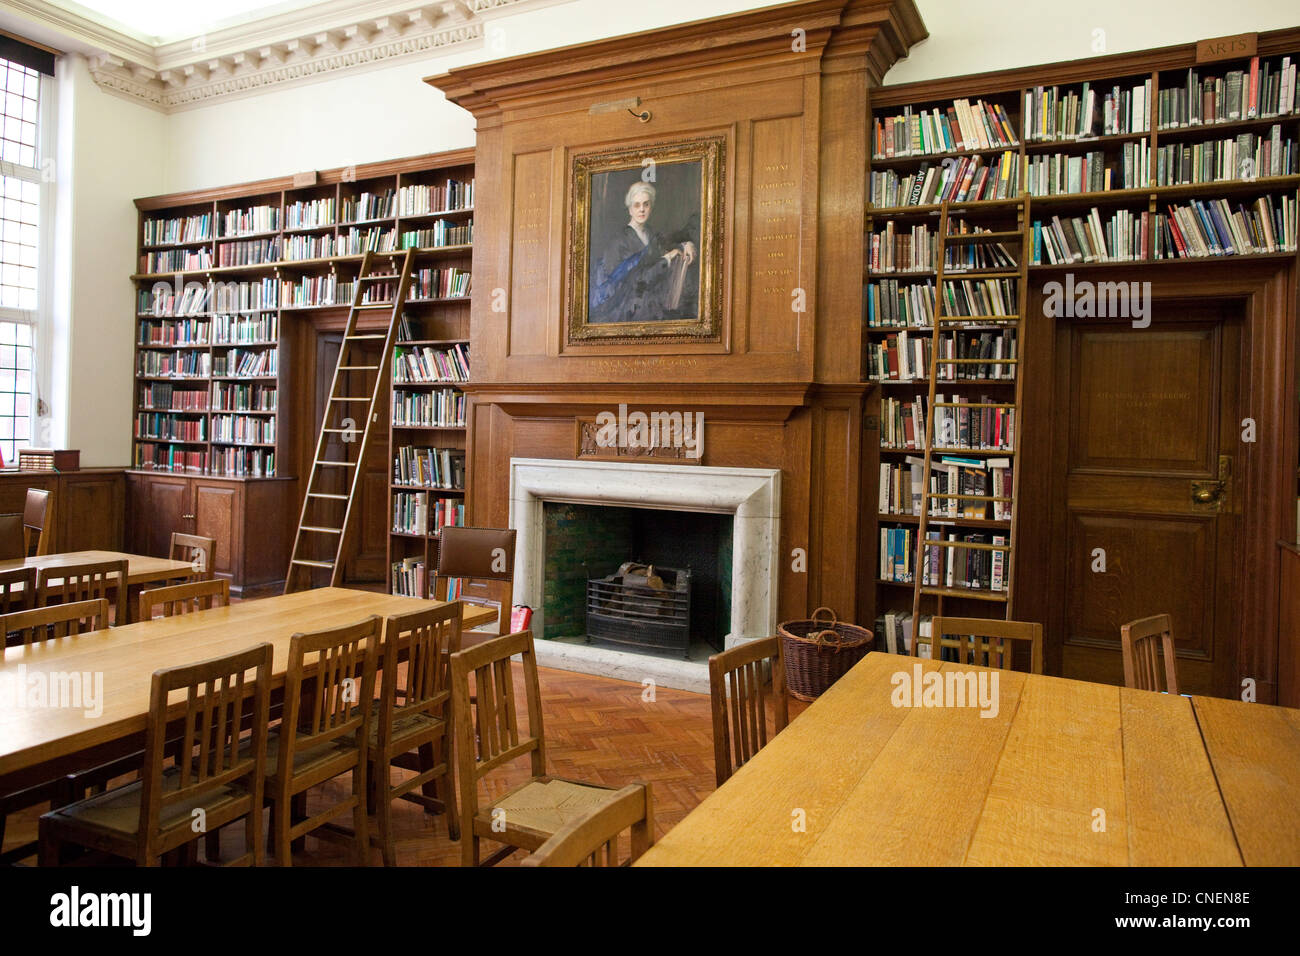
645,254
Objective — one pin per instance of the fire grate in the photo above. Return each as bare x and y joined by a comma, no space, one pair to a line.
628,608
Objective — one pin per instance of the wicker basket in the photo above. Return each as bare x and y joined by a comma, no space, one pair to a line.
820,651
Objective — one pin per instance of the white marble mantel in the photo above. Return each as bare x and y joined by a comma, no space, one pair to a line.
752,496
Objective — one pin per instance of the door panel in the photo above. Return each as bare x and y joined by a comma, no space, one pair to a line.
168,511
216,516
1149,414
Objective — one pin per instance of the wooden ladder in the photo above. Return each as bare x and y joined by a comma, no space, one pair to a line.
332,484
946,323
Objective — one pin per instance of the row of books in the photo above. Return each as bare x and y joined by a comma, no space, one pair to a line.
244,429
894,634
420,200
242,222
415,513
1123,237
902,425
972,569
916,250
1247,156
310,246
157,395
162,300
431,365
439,284
1263,89
956,180
906,358
374,293
166,232
245,363
429,467
315,291
187,364
177,332
1213,228
958,257
901,485
409,578
962,126
238,397
369,205
249,252
174,458
242,462
443,407
441,233
234,329
170,427
1061,174
375,239
247,296
1051,115
175,260
310,213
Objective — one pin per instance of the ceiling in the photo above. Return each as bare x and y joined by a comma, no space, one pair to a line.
156,23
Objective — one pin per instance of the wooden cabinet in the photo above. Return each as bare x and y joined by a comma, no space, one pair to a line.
89,505
250,519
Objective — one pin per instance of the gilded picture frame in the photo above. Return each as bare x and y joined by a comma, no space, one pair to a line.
645,256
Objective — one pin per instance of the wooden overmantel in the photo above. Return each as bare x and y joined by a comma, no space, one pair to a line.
785,91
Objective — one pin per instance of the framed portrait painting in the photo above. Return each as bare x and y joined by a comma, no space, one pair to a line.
645,244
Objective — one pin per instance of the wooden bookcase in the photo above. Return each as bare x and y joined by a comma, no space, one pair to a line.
265,276
1147,193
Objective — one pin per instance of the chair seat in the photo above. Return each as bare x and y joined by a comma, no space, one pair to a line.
305,759
535,810
412,725
118,811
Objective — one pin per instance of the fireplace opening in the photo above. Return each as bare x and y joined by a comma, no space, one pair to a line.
689,598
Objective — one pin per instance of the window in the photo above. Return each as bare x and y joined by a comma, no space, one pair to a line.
20,246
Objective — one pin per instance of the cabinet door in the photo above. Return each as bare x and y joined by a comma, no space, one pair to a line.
218,514
167,510
89,515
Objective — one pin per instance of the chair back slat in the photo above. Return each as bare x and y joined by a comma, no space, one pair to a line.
197,550
17,589
217,696
593,838
1147,645
85,582
185,598
428,639
340,665
58,620
738,688
985,642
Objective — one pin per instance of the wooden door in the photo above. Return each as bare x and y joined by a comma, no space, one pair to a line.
218,514
1148,434
165,508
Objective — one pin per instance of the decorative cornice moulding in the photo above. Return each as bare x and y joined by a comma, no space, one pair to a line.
316,42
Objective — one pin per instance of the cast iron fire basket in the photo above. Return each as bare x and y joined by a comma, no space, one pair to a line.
641,615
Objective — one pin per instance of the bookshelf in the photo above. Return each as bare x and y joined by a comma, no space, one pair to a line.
1136,161
235,288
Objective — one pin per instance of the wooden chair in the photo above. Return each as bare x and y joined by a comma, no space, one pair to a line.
1138,640
13,538
85,582
485,557
488,735
185,598
196,549
17,589
38,515
411,728
740,710
58,620
154,815
323,734
987,643
592,839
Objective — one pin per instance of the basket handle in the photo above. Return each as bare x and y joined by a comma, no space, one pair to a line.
832,622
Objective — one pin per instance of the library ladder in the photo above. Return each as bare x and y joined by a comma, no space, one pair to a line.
931,497
328,519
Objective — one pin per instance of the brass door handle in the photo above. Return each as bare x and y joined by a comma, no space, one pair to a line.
1207,492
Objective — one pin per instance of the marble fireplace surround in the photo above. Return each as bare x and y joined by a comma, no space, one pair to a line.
752,496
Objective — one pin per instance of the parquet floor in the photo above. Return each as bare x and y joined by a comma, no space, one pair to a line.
597,729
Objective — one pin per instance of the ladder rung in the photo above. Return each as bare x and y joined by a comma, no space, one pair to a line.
982,236
311,527
320,494
996,452
968,545
982,319
935,494
972,405
977,361
374,305
955,274
349,398
365,337
313,564
376,276
966,592
340,464
358,368
338,431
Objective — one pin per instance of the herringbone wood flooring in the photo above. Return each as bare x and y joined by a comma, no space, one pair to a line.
597,729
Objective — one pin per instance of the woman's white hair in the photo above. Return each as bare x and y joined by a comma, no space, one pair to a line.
635,190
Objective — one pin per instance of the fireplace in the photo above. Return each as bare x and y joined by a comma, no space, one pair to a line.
641,606
738,507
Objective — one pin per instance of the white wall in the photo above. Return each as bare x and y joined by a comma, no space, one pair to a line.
109,152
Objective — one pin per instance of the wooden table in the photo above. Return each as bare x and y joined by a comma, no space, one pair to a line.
36,741
141,568
1175,781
